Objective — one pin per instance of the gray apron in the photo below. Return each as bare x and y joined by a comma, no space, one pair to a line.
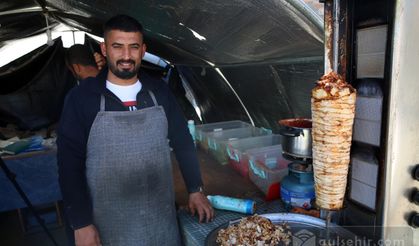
129,174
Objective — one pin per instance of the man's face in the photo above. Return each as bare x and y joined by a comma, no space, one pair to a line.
124,52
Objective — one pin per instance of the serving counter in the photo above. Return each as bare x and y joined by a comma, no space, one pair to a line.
218,180
223,180
194,233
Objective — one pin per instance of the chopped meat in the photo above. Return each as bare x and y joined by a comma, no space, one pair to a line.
331,86
254,230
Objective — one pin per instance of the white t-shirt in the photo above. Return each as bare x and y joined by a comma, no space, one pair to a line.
126,93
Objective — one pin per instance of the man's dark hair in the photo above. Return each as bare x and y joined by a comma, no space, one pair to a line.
79,54
123,23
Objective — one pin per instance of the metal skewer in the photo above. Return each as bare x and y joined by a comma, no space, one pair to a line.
328,221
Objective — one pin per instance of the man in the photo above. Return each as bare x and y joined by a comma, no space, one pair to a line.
82,63
113,152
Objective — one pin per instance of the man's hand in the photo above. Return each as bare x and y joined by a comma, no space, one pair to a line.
198,203
87,236
100,60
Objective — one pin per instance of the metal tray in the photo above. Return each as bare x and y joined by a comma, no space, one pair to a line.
306,230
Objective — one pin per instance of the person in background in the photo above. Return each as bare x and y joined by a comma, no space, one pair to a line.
114,143
82,63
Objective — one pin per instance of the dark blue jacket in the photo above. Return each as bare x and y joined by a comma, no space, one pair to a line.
80,109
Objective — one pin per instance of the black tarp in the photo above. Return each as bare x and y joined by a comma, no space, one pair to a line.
33,95
268,92
269,51
231,32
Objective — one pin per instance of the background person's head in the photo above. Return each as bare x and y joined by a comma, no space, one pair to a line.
81,62
123,48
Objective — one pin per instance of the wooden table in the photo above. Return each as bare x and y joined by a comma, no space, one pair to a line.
218,180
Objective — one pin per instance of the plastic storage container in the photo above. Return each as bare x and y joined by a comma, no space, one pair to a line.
267,167
236,150
297,189
201,131
217,141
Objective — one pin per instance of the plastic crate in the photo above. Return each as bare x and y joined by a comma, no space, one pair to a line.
267,167
201,131
217,141
236,150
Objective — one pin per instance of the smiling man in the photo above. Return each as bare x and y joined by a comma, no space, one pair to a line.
113,154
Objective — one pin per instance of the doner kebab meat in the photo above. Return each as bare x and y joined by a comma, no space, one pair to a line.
254,230
333,111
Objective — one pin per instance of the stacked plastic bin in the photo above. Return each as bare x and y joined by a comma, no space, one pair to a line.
237,150
201,131
267,167
218,141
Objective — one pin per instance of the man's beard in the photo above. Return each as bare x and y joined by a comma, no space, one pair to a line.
124,73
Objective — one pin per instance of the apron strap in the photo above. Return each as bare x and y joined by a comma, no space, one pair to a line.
102,100
153,98
102,103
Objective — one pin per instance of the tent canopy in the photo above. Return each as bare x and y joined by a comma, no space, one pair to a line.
185,32
260,57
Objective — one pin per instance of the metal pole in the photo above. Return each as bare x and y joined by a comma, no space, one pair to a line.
328,36
335,36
